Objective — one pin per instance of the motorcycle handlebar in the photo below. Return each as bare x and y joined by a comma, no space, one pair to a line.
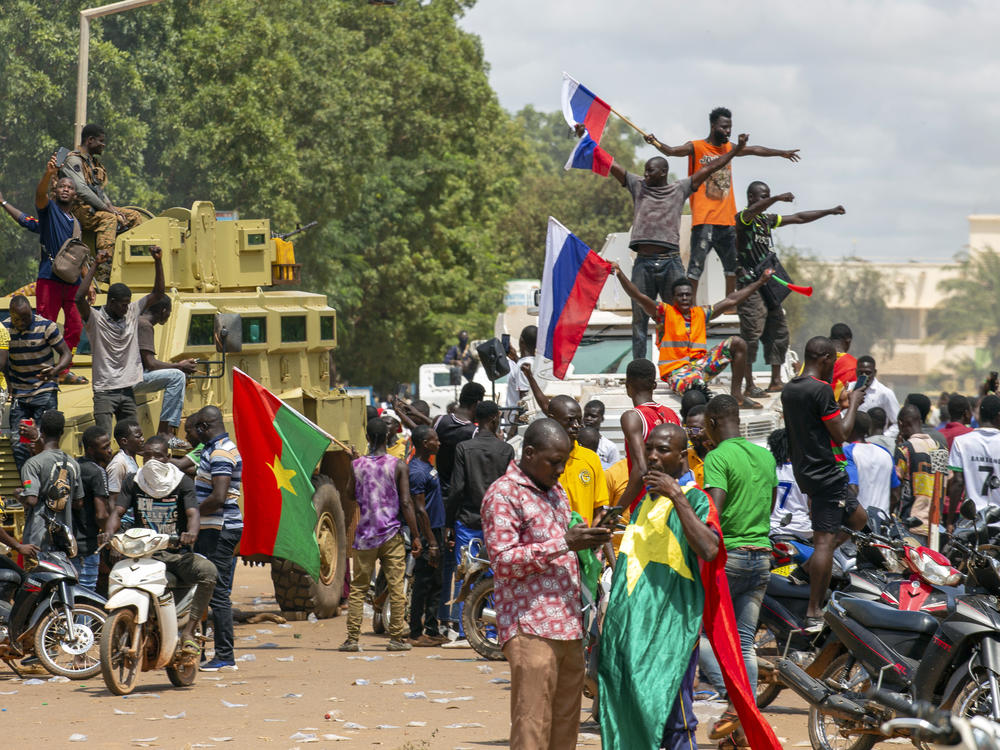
922,716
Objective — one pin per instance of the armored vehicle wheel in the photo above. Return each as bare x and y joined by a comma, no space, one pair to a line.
294,590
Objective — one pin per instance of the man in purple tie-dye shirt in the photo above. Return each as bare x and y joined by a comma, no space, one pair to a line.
382,488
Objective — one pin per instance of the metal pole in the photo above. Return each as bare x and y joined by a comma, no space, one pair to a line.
83,63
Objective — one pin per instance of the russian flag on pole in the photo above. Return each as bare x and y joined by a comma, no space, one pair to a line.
580,104
571,283
588,155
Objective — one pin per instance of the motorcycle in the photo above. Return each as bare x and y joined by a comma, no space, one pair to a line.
952,663
479,615
43,613
942,730
142,629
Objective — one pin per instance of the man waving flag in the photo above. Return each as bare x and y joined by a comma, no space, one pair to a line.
581,105
280,449
571,283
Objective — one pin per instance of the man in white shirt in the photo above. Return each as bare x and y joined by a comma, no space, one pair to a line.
593,416
517,383
789,502
870,469
975,461
877,395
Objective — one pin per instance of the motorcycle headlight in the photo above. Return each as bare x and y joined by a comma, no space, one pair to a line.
890,558
932,566
139,542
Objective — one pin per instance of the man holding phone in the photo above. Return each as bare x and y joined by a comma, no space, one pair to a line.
92,206
876,393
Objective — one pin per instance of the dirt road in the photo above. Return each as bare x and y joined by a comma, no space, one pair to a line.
290,677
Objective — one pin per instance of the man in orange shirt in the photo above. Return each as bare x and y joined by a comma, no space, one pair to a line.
844,369
713,206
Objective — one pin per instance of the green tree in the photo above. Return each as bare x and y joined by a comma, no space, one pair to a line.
971,310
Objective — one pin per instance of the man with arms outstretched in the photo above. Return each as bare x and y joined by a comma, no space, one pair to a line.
762,319
713,208
682,333
816,430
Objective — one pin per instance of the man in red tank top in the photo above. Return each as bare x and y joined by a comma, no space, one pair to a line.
637,423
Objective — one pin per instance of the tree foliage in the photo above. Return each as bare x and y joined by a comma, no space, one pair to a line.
379,122
972,307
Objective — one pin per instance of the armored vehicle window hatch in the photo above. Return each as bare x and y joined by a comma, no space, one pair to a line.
293,328
201,330
327,327
255,330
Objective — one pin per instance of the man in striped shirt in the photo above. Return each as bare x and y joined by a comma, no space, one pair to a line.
32,373
217,487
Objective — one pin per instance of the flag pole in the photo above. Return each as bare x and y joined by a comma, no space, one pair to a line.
628,122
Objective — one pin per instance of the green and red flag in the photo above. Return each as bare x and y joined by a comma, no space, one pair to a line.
661,597
280,449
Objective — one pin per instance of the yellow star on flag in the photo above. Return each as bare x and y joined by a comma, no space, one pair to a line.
282,476
650,539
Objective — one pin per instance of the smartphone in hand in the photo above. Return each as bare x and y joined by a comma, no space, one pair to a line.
61,155
610,519
861,382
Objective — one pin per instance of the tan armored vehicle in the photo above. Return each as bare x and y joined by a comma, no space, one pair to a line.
225,276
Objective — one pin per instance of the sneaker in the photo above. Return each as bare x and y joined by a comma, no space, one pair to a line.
460,643
349,645
217,665
812,624
425,641
178,444
398,644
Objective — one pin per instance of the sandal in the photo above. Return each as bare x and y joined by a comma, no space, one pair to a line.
749,403
726,724
71,378
190,651
776,388
756,392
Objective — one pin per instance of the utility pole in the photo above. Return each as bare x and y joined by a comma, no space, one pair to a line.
83,65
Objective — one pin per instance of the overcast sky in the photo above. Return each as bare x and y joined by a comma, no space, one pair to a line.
895,105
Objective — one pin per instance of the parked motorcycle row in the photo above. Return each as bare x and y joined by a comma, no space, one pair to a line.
47,618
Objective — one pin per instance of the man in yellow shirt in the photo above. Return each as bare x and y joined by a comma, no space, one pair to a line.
617,476
698,442
4,354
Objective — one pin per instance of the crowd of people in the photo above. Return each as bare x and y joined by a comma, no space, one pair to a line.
194,497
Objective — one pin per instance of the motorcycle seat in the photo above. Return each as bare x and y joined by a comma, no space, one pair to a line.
10,572
784,588
883,617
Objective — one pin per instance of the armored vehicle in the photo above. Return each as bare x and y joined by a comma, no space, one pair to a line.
233,271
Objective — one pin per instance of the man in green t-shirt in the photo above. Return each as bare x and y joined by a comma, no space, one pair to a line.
742,480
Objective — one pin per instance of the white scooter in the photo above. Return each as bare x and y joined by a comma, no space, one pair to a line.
143,621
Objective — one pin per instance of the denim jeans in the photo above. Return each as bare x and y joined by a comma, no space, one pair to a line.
707,237
463,536
425,594
218,546
86,570
653,275
118,403
748,572
172,383
28,408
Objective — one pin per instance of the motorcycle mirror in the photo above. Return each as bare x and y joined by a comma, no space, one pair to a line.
968,510
993,514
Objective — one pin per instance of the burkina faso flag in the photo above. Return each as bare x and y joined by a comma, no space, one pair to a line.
280,449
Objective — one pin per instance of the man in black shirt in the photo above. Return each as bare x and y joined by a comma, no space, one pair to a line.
162,497
479,462
816,431
90,513
762,318
452,429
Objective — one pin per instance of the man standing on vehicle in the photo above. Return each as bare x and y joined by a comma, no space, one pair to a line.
32,373
975,461
162,497
655,235
382,487
816,430
217,487
51,476
171,377
526,518
459,358
682,329
91,513
740,478
92,206
114,341
713,207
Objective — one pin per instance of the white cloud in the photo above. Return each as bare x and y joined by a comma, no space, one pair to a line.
894,103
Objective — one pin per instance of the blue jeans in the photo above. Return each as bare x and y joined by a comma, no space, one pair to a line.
654,275
748,572
86,569
464,535
218,546
172,383
28,408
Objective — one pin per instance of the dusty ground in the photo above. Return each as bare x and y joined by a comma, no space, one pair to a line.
280,697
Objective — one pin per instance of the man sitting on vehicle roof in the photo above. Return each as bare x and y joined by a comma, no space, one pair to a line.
682,331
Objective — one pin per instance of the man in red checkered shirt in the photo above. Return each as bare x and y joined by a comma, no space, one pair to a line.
525,523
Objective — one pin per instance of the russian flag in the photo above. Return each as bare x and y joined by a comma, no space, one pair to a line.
571,283
588,155
582,105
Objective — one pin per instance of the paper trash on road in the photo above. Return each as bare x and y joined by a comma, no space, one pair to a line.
75,737
286,658
400,681
464,725
227,704
181,715
360,681
417,724
292,695
416,695
119,712
452,700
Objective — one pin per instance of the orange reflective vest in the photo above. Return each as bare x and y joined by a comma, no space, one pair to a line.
678,344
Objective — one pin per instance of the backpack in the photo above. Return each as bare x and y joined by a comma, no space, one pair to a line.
58,487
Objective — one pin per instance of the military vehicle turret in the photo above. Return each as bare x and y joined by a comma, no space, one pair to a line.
281,337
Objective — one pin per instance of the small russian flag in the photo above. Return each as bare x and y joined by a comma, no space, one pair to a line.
581,105
588,155
571,283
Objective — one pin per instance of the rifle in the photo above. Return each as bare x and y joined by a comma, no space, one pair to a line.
298,230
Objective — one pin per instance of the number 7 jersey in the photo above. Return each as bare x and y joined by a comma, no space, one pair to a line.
976,455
